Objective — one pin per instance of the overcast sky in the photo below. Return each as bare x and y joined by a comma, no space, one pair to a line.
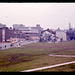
48,15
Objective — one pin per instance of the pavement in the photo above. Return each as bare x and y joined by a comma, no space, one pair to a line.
61,55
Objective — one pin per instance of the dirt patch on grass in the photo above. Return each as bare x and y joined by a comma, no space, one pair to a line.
16,59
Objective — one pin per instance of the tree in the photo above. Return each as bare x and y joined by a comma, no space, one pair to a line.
71,34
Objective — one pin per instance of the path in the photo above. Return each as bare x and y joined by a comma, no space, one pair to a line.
61,55
36,69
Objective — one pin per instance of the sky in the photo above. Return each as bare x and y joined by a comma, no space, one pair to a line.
48,15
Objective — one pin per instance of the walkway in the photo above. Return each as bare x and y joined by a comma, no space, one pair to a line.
61,55
36,69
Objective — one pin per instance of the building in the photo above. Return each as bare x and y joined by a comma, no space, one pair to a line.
48,35
4,34
38,28
29,32
61,34
19,26
53,35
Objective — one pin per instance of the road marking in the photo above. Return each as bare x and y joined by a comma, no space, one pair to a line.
36,69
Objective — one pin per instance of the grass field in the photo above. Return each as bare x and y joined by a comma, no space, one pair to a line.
35,55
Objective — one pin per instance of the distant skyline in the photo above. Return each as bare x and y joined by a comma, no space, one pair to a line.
48,15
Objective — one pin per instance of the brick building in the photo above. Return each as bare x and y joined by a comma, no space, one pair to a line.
6,34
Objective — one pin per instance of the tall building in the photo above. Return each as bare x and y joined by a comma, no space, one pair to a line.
4,34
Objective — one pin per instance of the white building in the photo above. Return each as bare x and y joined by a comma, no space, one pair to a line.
61,34
47,35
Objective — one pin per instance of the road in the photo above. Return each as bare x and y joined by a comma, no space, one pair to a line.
4,46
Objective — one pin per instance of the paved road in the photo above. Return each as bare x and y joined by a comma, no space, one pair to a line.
4,46
36,69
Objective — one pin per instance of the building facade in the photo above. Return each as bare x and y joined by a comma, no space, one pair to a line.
53,35
29,32
61,35
4,34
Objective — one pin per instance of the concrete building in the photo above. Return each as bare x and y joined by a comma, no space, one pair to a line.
38,28
18,33
29,32
4,34
61,35
19,26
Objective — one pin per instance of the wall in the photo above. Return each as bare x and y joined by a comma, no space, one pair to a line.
61,34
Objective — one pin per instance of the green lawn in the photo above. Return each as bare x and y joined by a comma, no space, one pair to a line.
35,55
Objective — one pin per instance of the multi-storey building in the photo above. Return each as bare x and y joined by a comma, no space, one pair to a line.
19,31
4,34
29,32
